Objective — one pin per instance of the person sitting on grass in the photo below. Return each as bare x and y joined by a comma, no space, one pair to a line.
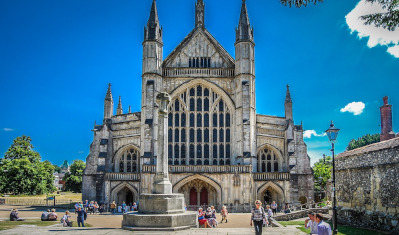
45,215
52,216
323,228
14,215
65,219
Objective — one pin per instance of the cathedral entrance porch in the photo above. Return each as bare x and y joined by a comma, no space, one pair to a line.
270,192
199,193
125,195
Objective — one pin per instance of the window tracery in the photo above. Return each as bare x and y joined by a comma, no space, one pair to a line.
268,161
208,128
127,162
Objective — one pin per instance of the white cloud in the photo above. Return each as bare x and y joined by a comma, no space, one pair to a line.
81,151
8,129
355,107
377,36
308,134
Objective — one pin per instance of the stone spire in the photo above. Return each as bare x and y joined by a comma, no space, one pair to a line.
130,109
386,121
119,109
288,105
153,31
288,95
199,14
244,32
108,103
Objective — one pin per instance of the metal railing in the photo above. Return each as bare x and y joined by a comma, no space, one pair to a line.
272,176
40,202
123,176
198,72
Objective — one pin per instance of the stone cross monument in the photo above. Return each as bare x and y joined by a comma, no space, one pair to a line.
162,184
162,210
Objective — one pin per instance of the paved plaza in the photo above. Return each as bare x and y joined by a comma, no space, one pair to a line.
238,223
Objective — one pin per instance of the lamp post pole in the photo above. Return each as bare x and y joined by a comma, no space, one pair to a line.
335,229
332,134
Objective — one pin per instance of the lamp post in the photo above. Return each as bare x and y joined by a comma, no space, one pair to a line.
332,134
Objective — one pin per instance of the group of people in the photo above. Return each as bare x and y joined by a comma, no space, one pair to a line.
208,217
49,215
317,225
90,207
113,207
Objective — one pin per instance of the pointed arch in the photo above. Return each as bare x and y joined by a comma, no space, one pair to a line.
206,179
272,185
269,155
119,154
119,187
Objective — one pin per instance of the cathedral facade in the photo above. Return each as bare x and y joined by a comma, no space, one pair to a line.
220,151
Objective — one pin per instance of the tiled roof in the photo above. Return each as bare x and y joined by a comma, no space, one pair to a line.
392,143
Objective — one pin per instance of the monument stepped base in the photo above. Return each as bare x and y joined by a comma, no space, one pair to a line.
159,222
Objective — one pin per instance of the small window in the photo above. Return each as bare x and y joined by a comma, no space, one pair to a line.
177,105
199,120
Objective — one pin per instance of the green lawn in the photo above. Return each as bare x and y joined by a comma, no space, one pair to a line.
342,229
12,224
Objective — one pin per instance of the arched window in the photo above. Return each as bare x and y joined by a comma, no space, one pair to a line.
268,161
127,161
208,127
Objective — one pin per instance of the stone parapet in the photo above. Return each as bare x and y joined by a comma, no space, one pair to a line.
300,214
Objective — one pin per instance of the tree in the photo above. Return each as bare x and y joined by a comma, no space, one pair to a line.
23,172
387,20
57,168
20,148
322,173
73,179
363,141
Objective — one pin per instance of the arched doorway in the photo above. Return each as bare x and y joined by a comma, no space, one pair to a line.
271,192
125,195
198,193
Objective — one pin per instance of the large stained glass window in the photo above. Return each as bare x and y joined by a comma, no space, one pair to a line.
205,138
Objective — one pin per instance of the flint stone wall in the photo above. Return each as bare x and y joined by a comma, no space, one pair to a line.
367,186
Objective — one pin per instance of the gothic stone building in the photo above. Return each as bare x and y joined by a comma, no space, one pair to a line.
220,150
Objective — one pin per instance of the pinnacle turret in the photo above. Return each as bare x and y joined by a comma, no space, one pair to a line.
199,14
108,96
119,109
153,31
288,95
244,32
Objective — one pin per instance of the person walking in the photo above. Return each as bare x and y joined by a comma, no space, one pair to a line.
45,215
258,217
311,223
82,215
224,214
269,213
123,207
322,228
274,208
113,207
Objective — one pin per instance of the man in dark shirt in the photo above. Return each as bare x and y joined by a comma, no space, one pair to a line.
14,216
45,215
82,214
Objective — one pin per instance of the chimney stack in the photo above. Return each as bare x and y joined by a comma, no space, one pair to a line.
386,121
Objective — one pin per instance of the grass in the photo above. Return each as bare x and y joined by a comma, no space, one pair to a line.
62,196
12,224
342,229
4,225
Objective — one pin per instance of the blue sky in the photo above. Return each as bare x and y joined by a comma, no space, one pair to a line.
57,57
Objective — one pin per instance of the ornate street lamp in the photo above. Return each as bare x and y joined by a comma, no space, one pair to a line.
332,134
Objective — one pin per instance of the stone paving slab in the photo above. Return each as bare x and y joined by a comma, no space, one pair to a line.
289,230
